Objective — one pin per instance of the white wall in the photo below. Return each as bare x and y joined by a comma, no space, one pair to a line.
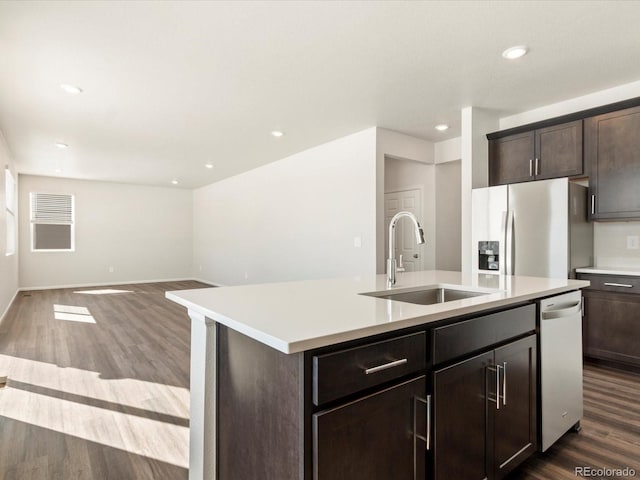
144,233
474,170
8,264
610,244
400,174
448,216
390,144
291,219
447,150
596,99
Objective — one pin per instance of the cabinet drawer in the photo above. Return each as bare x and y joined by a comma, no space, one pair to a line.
610,283
342,373
462,338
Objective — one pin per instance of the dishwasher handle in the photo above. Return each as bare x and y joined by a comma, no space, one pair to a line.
563,312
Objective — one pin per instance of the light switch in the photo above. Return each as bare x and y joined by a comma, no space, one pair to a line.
357,242
632,242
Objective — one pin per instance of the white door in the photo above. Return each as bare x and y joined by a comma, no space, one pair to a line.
406,245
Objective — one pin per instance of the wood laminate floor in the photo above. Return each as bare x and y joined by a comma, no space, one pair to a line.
610,435
98,389
98,384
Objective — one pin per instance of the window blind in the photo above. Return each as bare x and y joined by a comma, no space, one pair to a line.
51,208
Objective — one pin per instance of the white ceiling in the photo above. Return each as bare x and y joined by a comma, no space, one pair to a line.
170,86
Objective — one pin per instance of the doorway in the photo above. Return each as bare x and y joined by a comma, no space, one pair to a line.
407,252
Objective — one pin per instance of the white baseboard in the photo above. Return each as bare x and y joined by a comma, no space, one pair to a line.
6,310
119,282
208,282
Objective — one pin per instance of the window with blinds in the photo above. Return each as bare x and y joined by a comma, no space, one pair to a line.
52,222
10,206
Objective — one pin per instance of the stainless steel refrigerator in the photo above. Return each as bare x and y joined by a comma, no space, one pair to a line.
536,228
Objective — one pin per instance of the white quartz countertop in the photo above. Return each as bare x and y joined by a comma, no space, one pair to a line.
297,316
631,271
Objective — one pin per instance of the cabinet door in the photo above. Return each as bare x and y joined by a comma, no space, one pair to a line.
611,326
612,148
460,415
511,159
559,151
514,419
373,438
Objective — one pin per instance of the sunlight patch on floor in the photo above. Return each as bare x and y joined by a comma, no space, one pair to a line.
104,291
142,436
131,392
72,313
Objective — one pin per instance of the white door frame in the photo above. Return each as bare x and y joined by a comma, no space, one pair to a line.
420,189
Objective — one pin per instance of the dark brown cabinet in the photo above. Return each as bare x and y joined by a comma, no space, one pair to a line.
364,410
550,152
511,159
460,419
611,323
485,413
382,436
612,151
514,420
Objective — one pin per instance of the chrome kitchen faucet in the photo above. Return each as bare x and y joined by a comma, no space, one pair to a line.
391,261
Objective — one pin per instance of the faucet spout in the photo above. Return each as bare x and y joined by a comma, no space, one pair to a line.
391,261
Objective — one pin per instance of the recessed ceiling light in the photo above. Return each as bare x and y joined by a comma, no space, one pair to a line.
208,165
72,89
515,52
277,133
175,182
61,145
442,127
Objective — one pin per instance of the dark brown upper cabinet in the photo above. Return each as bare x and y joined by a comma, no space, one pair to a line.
549,152
612,153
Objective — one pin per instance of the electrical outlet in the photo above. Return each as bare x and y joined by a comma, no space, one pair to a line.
357,242
246,275
632,242
200,267
111,269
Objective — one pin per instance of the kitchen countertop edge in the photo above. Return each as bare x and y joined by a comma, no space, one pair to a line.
609,271
422,317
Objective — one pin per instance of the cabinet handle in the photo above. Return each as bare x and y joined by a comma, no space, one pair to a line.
498,396
504,381
537,168
428,422
426,439
625,285
530,167
593,204
395,363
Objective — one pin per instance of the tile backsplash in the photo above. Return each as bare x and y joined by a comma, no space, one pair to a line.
610,242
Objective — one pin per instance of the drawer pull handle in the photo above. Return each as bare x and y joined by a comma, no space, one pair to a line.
395,363
611,284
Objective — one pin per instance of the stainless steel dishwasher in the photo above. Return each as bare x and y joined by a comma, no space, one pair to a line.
560,366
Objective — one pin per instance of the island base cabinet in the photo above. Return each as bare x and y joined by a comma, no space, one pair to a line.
373,438
460,413
485,413
514,419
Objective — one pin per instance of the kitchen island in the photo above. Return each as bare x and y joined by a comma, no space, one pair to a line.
276,368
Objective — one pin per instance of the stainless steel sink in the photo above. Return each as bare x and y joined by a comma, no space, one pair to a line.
428,296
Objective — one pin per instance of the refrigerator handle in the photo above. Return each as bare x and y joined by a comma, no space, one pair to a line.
508,240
